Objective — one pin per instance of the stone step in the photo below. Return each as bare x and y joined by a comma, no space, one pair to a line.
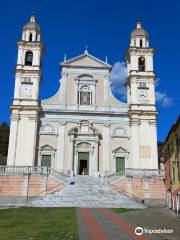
88,192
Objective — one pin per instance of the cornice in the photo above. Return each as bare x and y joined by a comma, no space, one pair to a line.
32,71
141,50
143,112
30,44
26,108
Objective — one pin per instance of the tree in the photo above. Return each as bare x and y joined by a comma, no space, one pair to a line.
4,142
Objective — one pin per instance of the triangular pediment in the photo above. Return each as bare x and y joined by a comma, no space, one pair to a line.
86,60
120,150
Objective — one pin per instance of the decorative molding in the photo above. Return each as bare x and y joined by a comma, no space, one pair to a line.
120,132
47,130
120,150
107,124
15,117
62,123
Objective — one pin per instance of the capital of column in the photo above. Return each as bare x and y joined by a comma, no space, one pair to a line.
72,138
15,117
34,118
64,73
62,123
76,148
134,122
153,122
106,124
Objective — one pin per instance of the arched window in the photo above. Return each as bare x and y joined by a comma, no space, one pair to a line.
141,42
28,58
141,63
30,37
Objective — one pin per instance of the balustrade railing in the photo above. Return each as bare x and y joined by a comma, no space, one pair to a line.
16,170
133,172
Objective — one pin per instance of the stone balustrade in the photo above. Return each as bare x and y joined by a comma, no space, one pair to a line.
134,172
61,175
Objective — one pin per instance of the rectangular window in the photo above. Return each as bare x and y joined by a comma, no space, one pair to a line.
26,80
142,85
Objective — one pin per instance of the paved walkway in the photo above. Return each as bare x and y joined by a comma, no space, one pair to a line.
102,224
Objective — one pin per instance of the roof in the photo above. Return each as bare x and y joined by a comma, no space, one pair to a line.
32,24
139,31
173,128
86,60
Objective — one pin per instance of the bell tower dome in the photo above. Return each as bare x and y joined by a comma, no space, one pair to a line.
31,30
139,37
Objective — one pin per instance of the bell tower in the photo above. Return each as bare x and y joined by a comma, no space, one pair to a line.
140,86
26,106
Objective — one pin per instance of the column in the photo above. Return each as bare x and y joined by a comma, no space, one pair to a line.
20,56
34,36
114,163
61,146
36,57
106,90
76,91
96,156
11,160
63,87
154,154
91,163
31,144
75,159
106,149
71,154
135,162
39,157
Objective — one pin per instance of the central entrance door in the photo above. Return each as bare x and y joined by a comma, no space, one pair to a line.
83,160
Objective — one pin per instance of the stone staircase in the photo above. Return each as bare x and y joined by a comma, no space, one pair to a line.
87,192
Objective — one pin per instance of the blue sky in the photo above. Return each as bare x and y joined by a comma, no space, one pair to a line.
105,26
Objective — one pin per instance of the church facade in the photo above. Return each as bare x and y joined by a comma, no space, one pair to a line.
83,128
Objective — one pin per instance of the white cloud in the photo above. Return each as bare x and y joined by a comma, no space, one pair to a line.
164,99
118,77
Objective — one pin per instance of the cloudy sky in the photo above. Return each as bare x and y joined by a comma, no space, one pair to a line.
105,26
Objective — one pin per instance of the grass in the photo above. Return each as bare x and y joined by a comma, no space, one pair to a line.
123,210
38,223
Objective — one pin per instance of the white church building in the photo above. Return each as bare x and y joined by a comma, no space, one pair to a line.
83,128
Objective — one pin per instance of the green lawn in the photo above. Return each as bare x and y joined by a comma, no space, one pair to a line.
38,223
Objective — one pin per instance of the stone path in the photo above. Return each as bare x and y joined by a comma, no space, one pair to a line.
87,192
155,218
102,224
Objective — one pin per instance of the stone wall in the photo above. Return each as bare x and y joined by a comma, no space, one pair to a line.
19,189
150,190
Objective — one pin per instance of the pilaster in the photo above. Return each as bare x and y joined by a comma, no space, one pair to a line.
106,147
13,139
61,145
